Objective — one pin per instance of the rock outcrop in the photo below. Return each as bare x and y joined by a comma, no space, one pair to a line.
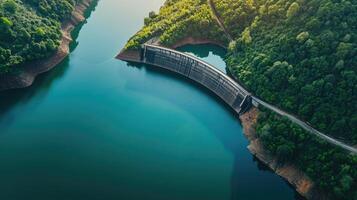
300,181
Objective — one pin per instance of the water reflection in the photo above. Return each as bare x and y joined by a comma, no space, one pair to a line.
75,32
210,53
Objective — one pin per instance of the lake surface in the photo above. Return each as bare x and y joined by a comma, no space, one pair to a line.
97,128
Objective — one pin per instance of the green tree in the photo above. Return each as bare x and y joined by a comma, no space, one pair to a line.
9,6
293,10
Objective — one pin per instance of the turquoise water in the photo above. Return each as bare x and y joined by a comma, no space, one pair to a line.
209,53
97,128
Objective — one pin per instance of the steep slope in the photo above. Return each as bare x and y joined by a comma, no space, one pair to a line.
177,20
300,56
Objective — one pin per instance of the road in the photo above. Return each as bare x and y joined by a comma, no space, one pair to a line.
306,126
219,20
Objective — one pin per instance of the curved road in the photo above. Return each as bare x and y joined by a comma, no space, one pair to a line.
306,126
218,20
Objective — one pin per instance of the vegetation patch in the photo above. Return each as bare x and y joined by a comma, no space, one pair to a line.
177,20
300,56
333,171
30,29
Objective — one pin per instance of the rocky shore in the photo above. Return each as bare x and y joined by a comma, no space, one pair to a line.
28,73
303,184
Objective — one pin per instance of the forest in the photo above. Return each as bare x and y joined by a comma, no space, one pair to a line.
296,54
30,30
300,56
178,19
333,170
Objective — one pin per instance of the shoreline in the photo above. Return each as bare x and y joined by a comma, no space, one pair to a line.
290,173
31,70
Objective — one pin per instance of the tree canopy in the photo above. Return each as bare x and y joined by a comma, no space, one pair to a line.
176,20
30,29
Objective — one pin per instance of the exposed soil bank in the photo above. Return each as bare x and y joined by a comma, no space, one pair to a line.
28,73
303,184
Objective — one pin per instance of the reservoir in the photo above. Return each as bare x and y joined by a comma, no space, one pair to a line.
97,128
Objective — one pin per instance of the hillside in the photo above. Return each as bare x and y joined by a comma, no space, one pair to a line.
177,20
298,55
30,30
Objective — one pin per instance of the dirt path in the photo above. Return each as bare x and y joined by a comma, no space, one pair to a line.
219,19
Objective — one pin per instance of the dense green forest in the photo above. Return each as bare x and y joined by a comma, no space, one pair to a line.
30,29
178,19
297,54
333,171
301,56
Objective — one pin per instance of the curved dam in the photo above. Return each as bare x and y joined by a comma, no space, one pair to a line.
195,69
222,85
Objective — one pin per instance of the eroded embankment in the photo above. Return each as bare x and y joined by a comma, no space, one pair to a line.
28,72
298,179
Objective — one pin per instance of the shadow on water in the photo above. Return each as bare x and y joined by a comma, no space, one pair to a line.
75,32
236,179
229,141
262,167
43,82
40,87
